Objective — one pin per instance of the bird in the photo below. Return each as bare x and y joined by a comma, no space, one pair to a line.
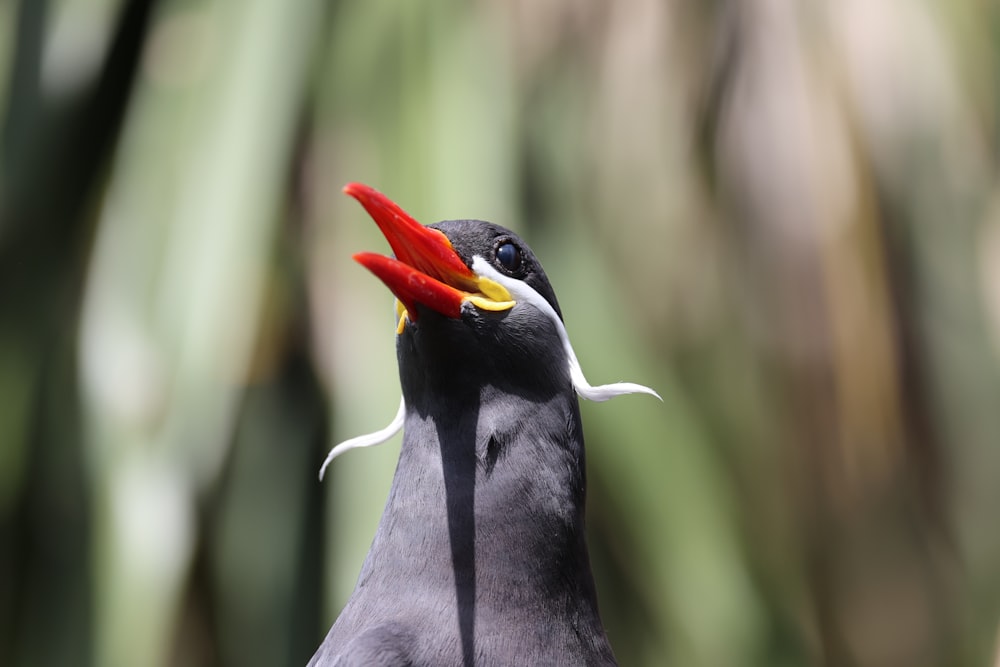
480,556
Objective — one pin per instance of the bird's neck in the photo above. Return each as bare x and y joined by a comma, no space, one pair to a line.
493,492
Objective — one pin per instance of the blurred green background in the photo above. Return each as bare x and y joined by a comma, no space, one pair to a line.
784,216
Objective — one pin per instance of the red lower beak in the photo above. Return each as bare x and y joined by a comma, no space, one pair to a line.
426,270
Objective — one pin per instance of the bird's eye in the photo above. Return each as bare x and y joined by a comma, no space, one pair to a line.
509,256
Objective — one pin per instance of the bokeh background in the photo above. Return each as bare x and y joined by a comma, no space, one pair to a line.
784,216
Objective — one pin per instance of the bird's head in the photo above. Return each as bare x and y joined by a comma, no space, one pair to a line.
474,309
473,303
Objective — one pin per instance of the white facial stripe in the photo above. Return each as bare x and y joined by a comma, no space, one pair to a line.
522,291
367,440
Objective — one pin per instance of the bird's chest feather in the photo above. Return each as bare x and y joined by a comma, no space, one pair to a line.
482,537
498,491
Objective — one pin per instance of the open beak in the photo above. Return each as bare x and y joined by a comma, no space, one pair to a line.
426,269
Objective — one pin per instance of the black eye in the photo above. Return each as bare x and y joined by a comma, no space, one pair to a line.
509,256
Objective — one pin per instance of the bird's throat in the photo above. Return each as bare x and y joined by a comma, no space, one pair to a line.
495,498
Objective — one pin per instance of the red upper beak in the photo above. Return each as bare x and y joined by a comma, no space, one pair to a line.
426,270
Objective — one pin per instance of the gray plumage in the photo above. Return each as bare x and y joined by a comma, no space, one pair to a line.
480,556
